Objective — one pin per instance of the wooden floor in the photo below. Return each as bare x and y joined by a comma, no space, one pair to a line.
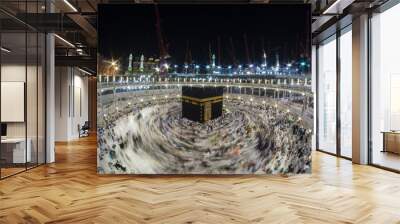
5,172
70,191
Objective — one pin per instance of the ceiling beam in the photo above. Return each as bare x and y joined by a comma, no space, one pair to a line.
80,20
77,61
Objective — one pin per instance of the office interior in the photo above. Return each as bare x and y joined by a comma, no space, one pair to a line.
28,110
335,77
48,67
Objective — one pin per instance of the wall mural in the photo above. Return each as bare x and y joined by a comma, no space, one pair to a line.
204,89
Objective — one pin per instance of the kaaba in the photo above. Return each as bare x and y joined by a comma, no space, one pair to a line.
202,104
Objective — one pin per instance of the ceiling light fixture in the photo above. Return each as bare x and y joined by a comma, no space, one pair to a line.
5,50
84,71
64,40
337,7
70,5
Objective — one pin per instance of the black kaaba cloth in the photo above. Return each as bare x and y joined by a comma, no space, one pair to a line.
202,104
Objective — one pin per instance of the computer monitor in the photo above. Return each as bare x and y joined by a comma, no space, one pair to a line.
3,129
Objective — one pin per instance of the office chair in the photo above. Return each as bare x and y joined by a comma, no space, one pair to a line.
84,130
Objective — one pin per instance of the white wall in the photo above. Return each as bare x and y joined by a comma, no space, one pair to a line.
61,103
16,73
80,104
33,126
71,102
9,73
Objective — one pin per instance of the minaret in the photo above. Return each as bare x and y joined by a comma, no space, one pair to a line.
265,59
277,60
130,64
213,60
141,68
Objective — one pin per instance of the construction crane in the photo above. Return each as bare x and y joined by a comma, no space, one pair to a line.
232,52
188,54
253,51
210,53
219,50
264,54
161,42
246,47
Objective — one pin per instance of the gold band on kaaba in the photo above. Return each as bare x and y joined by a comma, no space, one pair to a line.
201,100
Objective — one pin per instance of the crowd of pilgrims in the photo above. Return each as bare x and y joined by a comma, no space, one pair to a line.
153,139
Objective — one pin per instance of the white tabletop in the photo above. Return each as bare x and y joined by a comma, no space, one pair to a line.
13,140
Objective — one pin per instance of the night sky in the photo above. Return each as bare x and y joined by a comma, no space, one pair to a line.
283,29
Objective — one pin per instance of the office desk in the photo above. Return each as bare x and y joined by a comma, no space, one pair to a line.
13,150
391,141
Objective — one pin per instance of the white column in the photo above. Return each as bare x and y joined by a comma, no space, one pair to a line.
50,98
313,89
360,90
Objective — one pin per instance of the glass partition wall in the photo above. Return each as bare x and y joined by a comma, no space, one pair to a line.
22,76
345,91
334,109
385,89
334,86
326,57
